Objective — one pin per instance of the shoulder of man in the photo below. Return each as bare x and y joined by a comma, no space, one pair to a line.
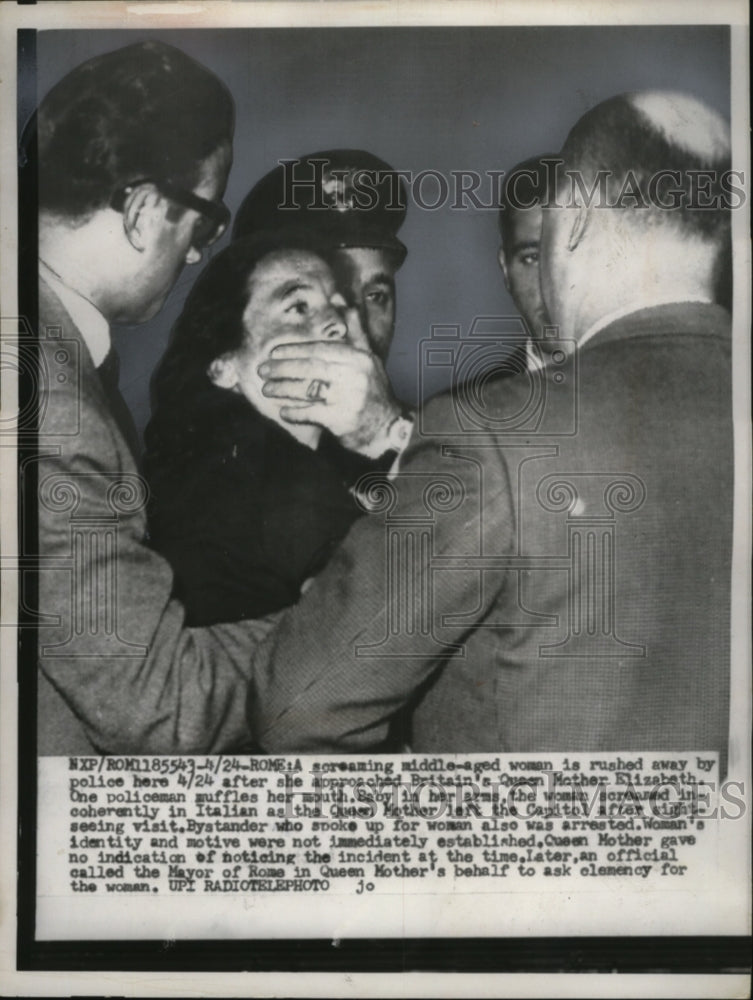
484,402
73,410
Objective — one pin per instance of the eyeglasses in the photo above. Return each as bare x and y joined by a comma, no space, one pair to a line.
214,216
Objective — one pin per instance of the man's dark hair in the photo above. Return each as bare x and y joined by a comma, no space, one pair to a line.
620,140
525,186
146,111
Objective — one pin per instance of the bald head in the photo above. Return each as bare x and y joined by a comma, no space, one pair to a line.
642,210
661,155
685,123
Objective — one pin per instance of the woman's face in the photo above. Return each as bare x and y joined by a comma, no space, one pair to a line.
292,299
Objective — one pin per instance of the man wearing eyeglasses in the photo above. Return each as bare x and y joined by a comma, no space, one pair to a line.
134,149
196,221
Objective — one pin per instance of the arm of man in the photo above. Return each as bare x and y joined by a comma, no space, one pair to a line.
121,673
393,605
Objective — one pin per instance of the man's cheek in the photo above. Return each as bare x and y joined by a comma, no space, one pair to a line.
376,321
381,317
533,285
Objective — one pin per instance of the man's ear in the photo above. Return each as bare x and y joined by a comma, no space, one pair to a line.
503,264
578,227
141,212
222,372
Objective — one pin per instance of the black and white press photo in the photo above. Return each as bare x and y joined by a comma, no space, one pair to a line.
382,471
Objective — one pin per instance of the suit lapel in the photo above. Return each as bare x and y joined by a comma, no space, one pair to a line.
101,382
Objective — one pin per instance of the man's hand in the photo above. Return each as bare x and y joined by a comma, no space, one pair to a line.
336,385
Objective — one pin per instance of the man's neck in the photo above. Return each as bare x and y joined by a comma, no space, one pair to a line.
634,306
90,322
624,267
607,299
75,257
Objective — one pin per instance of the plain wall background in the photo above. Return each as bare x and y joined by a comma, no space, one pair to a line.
442,99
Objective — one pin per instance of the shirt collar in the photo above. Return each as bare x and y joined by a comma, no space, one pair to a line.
635,306
92,325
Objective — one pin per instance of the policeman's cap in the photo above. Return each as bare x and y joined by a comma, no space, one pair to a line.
345,197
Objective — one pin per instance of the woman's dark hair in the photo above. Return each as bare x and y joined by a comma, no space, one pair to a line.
210,325
146,111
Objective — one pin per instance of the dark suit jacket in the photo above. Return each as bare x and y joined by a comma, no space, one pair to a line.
118,671
564,583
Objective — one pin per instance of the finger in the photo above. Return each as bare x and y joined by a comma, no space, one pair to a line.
314,413
286,389
356,334
293,368
305,370
331,351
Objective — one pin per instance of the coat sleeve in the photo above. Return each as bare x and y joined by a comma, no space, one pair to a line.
112,642
393,605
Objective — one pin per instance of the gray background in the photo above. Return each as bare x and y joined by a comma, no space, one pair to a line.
442,99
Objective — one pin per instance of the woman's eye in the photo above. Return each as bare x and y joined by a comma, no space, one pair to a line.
530,258
300,307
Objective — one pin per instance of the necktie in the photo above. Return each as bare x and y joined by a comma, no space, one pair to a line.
109,372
